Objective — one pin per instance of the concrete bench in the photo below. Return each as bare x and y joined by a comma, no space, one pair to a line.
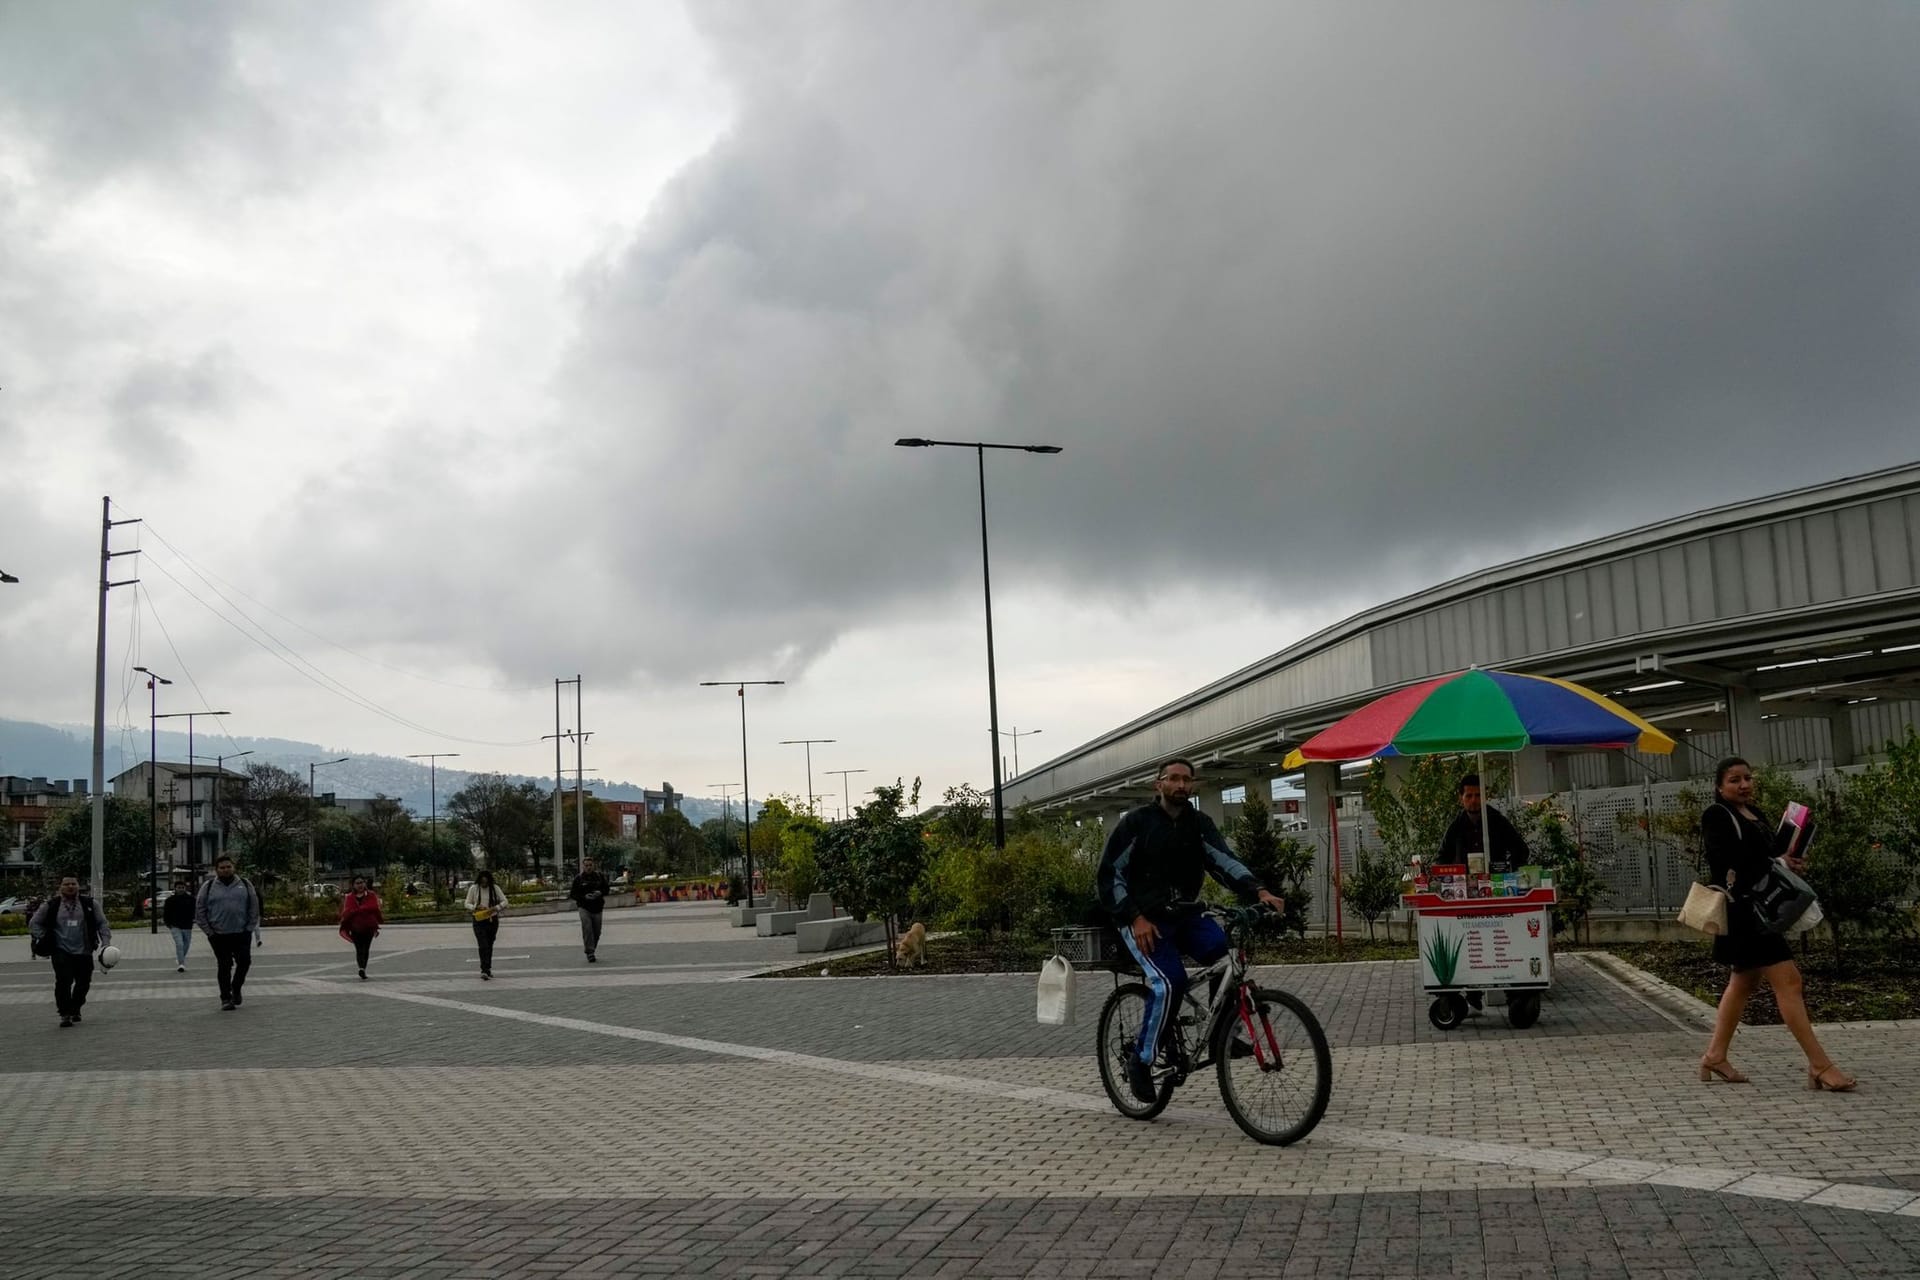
837,934
777,924
745,917
819,906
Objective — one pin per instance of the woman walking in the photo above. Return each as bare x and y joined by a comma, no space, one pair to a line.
1739,847
483,904
360,920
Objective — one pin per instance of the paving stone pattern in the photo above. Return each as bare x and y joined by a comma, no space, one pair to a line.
1567,1234
931,1128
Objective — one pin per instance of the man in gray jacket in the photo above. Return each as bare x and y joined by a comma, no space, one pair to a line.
228,912
68,929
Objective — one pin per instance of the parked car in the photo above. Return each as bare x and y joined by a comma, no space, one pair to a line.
17,906
323,891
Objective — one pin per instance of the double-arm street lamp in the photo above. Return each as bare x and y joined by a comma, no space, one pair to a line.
845,798
193,806
746,790
808,743
1016,735
7,577
153,810
311,766
219,772
980,448
433,802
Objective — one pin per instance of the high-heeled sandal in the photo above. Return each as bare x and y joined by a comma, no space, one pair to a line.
1724,1069
1817,1080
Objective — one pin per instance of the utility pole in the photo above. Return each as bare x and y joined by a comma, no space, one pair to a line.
311,766
746,788
726,810
153,812
808,743
220,832
559,779
579,782
433,797
107,554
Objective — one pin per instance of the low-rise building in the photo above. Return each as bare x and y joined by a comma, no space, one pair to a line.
27,805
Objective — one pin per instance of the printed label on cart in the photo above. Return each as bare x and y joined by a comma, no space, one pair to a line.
1485,950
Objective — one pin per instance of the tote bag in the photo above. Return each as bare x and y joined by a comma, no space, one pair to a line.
1706,910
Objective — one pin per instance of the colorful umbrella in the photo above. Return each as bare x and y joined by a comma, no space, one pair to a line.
1477,710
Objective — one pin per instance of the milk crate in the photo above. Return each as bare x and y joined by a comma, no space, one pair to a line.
1090,946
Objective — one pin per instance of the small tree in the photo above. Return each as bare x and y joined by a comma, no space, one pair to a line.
65,845
1372,889
267,813
1281,863
871,864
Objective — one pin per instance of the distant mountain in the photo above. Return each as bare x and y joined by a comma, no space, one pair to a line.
66,751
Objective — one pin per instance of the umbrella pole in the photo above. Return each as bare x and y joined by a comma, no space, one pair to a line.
1486,823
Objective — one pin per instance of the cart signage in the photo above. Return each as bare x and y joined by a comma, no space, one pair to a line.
1468,949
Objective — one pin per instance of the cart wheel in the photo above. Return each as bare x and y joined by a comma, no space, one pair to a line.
1447,1011
1523,1010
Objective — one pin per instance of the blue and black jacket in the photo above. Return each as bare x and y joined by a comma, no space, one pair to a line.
1154,860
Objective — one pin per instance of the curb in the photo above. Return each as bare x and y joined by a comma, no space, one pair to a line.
1657,993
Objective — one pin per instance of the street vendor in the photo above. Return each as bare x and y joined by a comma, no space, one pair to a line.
1509,852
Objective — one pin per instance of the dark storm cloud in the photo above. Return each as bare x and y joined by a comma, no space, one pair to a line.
1318,301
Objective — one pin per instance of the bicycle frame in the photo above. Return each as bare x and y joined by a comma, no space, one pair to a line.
1232,995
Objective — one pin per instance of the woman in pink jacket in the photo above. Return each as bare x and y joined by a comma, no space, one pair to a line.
360,920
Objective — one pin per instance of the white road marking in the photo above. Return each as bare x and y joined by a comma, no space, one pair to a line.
1839,1195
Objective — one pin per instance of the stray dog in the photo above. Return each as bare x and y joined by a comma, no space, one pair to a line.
911,951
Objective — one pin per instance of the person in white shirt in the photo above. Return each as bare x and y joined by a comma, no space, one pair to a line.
484,904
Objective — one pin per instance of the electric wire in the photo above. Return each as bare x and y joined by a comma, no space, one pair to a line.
210,578
308,671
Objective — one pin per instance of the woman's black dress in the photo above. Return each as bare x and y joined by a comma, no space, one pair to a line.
1742,847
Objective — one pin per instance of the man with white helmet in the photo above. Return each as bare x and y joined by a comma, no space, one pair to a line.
68,930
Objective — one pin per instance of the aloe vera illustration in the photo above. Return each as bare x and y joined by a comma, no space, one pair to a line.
1443,956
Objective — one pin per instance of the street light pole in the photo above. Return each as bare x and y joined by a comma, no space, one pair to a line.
1016,735
980,448
311,766
433,797
153,811
746,787
846,797
808,743
193,803
726,811
219,771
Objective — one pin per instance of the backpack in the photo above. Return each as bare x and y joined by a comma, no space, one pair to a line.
44,946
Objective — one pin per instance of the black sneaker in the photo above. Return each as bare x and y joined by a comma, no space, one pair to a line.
363,975
226,1006
1240,1048
485,976
76,1015
66,1022
236,999
1140,1079
592,959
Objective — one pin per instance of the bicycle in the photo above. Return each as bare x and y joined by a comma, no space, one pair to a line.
1274,1067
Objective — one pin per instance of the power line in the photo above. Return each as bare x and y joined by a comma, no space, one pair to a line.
209,577
309,671
174,649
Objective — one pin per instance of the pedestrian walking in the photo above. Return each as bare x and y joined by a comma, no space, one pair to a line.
589,894
1739,849
360,920
227,909
178,911
68,929
483,904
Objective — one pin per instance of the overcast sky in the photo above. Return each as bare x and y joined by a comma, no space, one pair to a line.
464,345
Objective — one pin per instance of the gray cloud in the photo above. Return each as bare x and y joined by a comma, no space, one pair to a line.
1322,302
1296,289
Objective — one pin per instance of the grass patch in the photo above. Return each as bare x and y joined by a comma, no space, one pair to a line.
963,954
1879,981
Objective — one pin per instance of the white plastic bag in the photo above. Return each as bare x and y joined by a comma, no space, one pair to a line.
1056,1005
1808,918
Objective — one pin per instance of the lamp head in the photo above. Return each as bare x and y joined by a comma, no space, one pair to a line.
911,442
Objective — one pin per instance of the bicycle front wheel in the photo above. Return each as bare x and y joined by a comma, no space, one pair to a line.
1121,1019
1275,1099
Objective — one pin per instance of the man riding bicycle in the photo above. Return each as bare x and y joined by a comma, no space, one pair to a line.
1150,878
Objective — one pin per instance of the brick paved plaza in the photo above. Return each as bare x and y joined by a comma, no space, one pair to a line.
662,1113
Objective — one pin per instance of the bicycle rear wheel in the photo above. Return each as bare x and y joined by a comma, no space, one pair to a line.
1121,1018
1280,1101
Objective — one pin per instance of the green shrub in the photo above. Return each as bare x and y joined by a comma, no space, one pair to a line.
1039,881
1372,889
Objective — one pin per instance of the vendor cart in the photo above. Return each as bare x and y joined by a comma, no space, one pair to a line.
1484,944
